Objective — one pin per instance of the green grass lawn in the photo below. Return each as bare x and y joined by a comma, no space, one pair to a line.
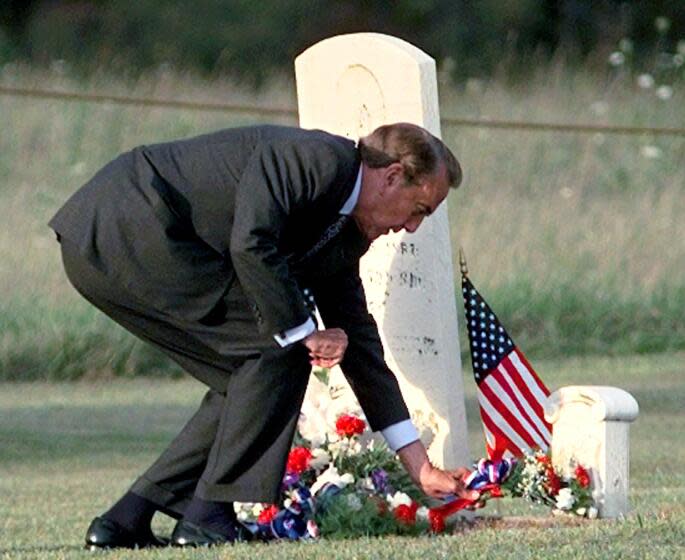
68,450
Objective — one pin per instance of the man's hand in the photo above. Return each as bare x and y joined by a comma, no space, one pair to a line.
327,347
434,482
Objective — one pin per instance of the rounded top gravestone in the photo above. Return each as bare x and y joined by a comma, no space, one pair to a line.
349,85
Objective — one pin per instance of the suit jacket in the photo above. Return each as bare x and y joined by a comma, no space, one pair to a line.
178,223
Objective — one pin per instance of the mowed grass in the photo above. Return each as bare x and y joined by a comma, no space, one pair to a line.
70,449
574,239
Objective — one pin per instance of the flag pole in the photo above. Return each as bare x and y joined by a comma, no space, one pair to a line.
462,263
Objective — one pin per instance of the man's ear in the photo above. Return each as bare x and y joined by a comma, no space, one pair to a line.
394,175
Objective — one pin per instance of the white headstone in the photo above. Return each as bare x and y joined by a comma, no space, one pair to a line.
590,427
349,85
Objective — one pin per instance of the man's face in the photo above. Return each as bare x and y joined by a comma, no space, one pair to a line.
395,205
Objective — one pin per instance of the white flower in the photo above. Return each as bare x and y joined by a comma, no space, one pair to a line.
664,92
367,484
580,511
353,502
592,512
565,499
662,24
347,478
645,81
650,152
422,513
320,458
331,475
617,58
398,499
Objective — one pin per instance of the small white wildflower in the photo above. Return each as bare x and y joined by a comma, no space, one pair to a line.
645,81
331,475
422,513
664,92
320,458
565,499
592,512
367,484
650,152
617,58
398,499
347,478
353,502
626,45
581,511
662,24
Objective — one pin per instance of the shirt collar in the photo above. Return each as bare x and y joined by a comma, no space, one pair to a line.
351,202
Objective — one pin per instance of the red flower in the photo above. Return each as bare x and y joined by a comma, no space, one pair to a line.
437,521
543,460
349,425
553,481
267,514
582,476
406,514
298,460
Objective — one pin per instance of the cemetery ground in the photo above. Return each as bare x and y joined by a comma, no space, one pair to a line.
69,449
574,240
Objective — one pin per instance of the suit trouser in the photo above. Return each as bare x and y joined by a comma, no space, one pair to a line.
235,446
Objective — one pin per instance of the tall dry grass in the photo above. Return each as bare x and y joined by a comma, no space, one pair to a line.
576,240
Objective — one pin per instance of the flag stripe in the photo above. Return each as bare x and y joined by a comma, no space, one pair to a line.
500,430
526,363
520,401
533,381
511,412
498,422
507,414
527,385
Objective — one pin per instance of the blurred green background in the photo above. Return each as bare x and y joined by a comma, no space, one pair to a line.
575,239
254,40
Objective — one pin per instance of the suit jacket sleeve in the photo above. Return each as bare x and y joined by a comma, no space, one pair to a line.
282,179
342,303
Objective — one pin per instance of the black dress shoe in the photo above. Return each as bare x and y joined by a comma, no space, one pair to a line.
105,533
187,533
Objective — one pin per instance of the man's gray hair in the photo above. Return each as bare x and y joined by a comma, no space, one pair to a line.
419,152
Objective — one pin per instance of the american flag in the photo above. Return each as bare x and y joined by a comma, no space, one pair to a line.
510,394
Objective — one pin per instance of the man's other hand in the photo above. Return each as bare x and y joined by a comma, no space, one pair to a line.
327,347
434,482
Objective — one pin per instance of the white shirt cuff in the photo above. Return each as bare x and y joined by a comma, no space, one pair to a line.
400,434
296,333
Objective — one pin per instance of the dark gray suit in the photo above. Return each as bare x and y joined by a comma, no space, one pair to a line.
197,246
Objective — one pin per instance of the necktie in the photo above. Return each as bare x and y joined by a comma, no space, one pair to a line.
331,231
